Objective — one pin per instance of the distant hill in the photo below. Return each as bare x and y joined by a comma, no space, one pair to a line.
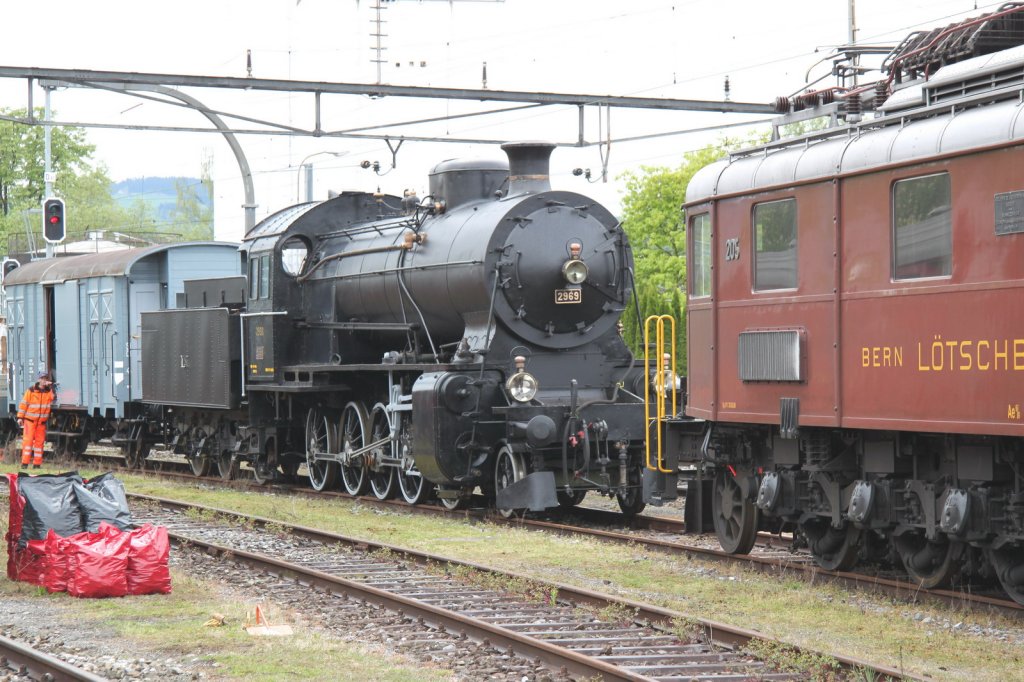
159,194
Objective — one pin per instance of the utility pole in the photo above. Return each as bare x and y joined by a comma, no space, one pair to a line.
48,174
378,35
853,38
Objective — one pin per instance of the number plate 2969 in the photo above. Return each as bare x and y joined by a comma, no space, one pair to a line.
568,296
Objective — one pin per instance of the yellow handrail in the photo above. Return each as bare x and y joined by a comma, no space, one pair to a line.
664,377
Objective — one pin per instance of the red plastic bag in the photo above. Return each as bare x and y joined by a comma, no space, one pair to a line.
147,561
57,570
98,564
16,507
28,563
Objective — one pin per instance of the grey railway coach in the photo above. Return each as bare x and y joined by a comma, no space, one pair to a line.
79,317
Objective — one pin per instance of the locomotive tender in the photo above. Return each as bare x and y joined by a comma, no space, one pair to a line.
856,348
389,344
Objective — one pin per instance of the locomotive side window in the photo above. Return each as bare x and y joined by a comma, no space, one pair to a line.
700,255
265,276
293,255
254,278
775,241
922,227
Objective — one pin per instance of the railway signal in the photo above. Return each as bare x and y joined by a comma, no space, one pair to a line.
54,229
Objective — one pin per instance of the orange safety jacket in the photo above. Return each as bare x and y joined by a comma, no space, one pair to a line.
35,406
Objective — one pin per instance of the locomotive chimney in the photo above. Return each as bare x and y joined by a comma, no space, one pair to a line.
529,166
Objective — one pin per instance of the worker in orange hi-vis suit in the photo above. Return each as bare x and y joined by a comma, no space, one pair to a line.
32,415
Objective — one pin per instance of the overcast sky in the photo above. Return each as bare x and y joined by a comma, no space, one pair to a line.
681,49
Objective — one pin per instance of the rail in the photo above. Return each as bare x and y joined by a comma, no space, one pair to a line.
28,663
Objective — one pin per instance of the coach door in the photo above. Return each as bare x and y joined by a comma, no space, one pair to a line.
17,342
143,298
101,348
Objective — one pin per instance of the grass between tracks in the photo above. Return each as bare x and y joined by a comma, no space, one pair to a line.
920,639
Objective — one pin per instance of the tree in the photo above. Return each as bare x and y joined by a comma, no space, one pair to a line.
22,150
191,218
84,185
653,218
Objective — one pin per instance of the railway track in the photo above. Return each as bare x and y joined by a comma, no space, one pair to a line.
772,555
566,633
23,662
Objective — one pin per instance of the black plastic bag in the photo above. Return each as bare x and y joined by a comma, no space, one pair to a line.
50,502
102,499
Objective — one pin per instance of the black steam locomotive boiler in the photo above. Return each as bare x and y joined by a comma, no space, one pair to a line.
465,340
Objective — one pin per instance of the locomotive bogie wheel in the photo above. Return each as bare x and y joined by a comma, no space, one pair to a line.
265,464
455,503
136,452
200,464
352,432
289,467
1008,564
262,470
382,478
568,500
320,437
834,549
631,500
508,470
228,466
735,515
62,450
929,563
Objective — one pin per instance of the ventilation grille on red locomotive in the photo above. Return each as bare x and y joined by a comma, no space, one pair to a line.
1012,76
770,355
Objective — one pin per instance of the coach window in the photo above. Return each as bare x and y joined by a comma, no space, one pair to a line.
700,255
922,227
775,242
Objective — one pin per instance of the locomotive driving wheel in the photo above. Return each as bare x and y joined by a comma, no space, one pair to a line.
929,563
411,484
320,438
382,478
1008,563
735,514
834,549
352,431
508,469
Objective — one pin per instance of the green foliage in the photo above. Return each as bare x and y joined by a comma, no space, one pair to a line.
22,150
653,218
811,125
191,219
84,185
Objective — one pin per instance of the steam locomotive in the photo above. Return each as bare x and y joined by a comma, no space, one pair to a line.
855,321
390,344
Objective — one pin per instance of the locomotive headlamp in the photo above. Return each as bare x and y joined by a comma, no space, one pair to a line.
575,270
522,385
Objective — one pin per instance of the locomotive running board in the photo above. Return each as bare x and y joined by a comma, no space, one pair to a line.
535,492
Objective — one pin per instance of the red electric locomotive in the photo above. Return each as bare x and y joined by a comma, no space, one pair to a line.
856,318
